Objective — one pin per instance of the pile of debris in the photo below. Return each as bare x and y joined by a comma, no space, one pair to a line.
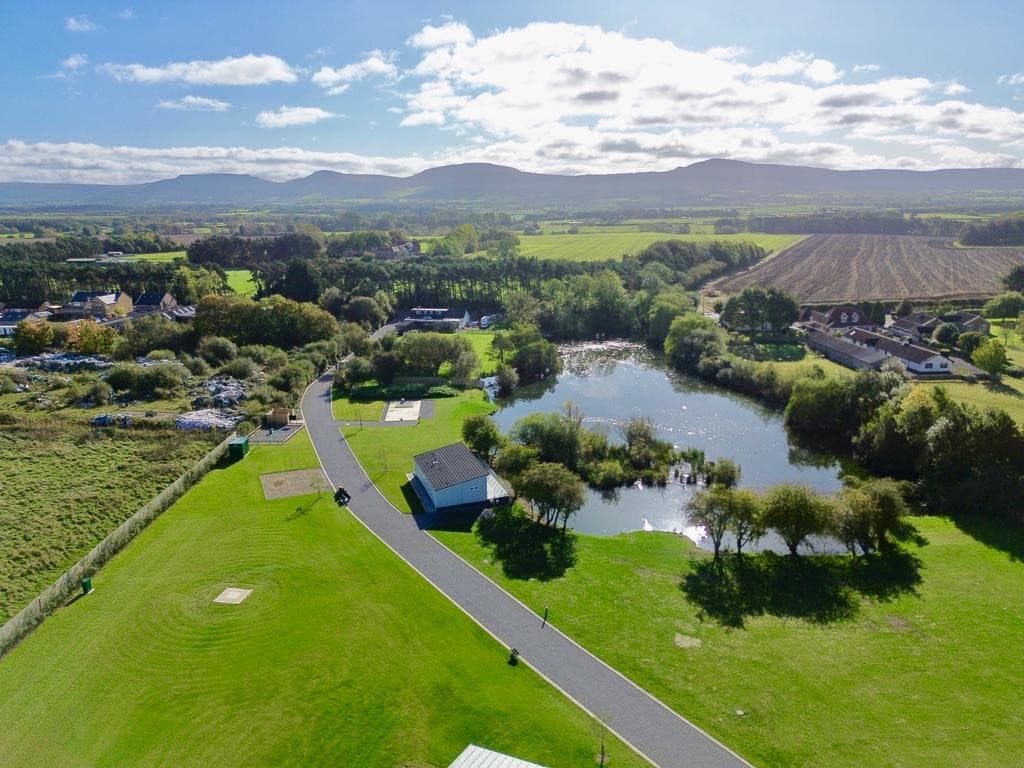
65,361
208,418
111,420
222,392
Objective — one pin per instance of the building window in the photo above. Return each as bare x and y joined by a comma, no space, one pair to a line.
928,365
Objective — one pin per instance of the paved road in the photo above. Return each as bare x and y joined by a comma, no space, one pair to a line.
649,726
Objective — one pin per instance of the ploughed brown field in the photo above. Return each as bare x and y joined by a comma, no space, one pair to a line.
832,268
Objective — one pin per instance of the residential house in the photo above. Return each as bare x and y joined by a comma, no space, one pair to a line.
435,319
98,304
836,319
9,318
967,321
914,326
453,476
154,301
843,351
916,358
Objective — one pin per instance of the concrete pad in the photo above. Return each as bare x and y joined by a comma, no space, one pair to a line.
407,410
281,485
232,596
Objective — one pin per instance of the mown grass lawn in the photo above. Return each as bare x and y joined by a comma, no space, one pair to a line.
341,656
240,281
930,677
66,485
386,452
481,341
355,410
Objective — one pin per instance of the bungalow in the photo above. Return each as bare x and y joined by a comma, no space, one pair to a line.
845,352
154,301
914,326
916,358
836,319
435,319
967,321
453,476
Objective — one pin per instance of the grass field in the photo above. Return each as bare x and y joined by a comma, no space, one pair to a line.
342,655
161,257
386,452
481,341
927,677
603,245
240,281
833,268
66,485
345,409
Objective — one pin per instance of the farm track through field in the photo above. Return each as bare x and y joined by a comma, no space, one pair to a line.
831,268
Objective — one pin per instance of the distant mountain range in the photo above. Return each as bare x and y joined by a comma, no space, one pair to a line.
707,183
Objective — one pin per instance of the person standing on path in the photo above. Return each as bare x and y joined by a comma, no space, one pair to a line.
545,621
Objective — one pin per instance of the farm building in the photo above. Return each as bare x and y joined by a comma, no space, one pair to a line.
453,476
434,319
478,757
845,352
916,358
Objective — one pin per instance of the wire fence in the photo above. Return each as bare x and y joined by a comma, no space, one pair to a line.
57,594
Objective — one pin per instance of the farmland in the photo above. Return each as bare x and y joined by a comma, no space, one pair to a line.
831,268
341,656
602,244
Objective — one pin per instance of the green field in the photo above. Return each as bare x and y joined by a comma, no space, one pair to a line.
924,677
348,410
161,257
386,452
240,281
481,341
66,485
603,245
342,656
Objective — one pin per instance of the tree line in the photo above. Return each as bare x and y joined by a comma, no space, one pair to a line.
1007,230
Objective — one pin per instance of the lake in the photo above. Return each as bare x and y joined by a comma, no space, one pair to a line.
614,381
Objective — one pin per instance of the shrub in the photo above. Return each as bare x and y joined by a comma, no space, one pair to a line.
240,368
217,350
161,354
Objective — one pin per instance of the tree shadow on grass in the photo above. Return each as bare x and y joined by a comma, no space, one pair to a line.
823,590
526,549
1003,534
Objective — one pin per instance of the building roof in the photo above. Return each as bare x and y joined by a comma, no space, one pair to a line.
151,299
438,313
478,757
84,297
961,317
901,349
449,466
921,319
841,316
905,324
847,348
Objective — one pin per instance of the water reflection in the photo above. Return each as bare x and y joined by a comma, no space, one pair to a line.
612,382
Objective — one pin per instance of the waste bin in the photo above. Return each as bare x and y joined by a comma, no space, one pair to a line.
87,585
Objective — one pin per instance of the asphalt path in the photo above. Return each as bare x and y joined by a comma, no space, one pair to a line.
635,716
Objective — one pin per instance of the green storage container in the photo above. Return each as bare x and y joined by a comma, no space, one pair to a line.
238,447
87,585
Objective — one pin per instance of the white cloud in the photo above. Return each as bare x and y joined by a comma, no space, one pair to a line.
126,13
250,69
860,68
336,80
74,61
284,117
80,23
450,33
195,104
1015,79
423,118
954,88
822,71
94,163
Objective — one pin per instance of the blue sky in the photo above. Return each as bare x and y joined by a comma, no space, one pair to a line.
127,91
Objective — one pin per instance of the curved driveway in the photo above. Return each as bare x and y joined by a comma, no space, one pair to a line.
646,724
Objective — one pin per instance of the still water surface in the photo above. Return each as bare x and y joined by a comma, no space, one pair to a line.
613,381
